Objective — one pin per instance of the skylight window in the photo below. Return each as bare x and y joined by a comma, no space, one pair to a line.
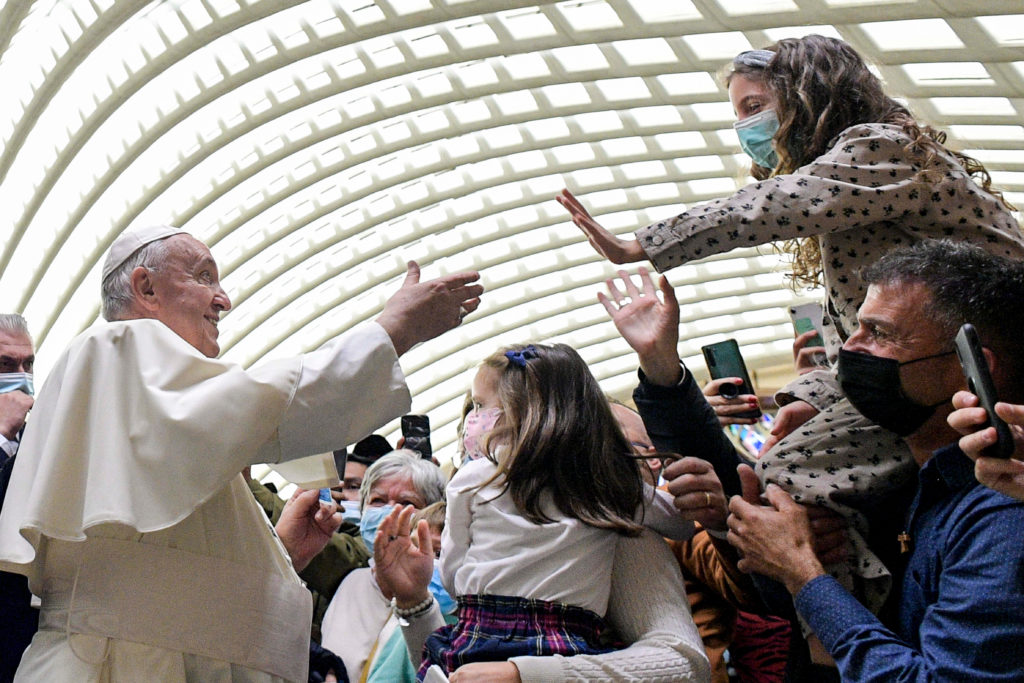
1007,30
945,74
912,34
745,7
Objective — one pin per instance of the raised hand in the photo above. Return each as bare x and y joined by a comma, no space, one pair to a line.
423,310
649,325
402,569
807,358
608,245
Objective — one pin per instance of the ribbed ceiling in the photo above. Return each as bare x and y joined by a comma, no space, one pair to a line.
317,146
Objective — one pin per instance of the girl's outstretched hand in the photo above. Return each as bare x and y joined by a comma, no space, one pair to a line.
608,245
402,570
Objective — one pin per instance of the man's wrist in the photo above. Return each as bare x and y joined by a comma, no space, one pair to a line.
802,573
664,371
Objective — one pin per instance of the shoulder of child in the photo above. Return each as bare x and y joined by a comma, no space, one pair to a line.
473,472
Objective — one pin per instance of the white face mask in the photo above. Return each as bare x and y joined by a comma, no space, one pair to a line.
477,425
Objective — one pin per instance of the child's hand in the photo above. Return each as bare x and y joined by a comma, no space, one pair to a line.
486,672
604,242
787,420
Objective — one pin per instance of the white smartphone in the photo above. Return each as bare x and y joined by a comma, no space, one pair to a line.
807,317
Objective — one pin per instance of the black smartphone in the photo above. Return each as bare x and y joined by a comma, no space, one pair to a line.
724,360
979,382
416,430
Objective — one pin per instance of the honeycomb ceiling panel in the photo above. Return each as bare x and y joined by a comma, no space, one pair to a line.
317,146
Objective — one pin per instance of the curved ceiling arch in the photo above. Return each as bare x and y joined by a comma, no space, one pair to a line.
319,144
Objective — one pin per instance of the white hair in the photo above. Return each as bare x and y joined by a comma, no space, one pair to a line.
15,324
427,478
116,292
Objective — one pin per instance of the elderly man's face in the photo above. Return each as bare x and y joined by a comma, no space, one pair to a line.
632,426
893,323
16,353
189,293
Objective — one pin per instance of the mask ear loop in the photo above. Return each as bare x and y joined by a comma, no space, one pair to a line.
67,627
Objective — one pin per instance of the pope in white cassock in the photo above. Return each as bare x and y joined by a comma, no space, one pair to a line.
127,510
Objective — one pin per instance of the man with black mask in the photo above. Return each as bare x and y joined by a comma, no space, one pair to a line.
958,613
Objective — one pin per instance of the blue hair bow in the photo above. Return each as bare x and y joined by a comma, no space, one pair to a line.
520,357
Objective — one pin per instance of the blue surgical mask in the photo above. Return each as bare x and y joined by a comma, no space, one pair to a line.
350,511
369,522
16,381
436,588
756,134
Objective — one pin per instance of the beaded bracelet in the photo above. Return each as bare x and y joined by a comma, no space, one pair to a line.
415,610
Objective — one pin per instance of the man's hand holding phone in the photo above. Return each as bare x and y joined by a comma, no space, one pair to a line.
970,419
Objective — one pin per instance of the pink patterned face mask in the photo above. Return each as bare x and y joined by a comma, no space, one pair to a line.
478,423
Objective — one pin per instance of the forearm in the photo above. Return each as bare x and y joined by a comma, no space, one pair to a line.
864,649
416,629
346,389
680,420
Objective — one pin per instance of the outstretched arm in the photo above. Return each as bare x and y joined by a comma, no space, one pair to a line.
423,310
676,415
613,248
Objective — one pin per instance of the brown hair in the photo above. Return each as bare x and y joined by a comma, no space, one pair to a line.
821,87
558,435
433,513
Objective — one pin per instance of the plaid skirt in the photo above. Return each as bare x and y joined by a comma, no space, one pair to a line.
493,628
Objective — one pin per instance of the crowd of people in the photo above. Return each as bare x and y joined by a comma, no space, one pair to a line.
874,538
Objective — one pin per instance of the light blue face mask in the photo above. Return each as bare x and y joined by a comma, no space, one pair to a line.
756,133
17,381
436,588
369,522
350,511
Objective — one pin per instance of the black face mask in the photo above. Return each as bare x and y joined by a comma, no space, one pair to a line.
873,385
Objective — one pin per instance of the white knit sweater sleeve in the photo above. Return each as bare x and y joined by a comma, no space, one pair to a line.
648,608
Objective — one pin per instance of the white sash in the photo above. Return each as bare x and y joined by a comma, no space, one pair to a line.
184,602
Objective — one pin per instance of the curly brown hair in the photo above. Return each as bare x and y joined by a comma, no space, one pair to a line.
821,87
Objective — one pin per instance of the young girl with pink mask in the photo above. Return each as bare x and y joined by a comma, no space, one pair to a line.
548,487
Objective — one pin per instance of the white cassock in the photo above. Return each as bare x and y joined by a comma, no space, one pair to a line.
127,512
